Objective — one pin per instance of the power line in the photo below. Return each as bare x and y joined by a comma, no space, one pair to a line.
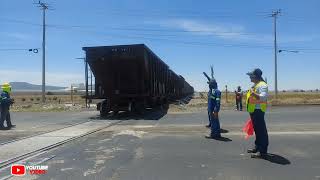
197,43
14,49
177,32
195,15
57,26
193,42
34,50
149,13
81,28
142,36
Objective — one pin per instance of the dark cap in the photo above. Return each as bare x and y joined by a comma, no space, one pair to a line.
213,84
255,73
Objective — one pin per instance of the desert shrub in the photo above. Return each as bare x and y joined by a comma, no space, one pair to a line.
31,99
38,98
23,99
55,98
49,93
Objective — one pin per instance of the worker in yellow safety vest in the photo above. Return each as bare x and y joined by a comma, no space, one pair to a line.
5,102
256,106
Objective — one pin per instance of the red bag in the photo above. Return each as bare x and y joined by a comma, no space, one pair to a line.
248,128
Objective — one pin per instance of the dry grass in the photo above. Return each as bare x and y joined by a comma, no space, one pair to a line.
31,102
199,103
46,108
284,98
60,102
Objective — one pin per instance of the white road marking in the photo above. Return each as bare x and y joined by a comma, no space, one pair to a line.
282,133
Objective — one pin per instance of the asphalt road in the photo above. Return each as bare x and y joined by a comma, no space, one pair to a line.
173,146
32,123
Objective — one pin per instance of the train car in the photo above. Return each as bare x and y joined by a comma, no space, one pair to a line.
132,77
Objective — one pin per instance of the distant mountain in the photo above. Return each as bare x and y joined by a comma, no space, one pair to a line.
24,86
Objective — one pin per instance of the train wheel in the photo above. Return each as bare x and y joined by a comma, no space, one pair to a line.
115,110
140,107
104,109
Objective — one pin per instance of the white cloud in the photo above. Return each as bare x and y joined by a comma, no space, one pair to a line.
18,36
227,31
52,78
230,31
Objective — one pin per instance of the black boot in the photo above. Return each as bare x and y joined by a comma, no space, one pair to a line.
213,137
12,126
259,155
253,150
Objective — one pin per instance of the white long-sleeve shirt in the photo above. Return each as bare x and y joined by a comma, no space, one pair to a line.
262,91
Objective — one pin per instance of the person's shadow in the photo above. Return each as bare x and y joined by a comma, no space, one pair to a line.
224,139
223,131
277,159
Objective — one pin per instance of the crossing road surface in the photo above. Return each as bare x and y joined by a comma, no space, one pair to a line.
172,146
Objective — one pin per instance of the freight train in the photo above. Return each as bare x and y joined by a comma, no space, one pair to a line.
132,78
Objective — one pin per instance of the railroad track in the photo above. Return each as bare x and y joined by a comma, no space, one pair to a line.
7,163
44,132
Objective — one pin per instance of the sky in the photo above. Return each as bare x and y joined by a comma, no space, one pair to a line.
233,36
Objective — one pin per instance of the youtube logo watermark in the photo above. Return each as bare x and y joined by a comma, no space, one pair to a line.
21,170
18,170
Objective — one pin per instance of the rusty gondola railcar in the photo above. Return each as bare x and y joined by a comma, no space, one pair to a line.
132,77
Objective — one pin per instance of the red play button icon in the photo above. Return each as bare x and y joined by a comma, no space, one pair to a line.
18,170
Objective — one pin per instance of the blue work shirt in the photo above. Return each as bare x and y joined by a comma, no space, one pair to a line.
214,98
5,99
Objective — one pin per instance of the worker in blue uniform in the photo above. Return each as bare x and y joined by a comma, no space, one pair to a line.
214,98
6,101
213,109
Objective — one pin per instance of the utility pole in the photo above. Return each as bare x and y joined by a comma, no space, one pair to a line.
90,97
71,94
44,7
90,84
226,94
86,74
275,15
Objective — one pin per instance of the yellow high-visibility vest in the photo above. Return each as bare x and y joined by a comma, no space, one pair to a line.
252,101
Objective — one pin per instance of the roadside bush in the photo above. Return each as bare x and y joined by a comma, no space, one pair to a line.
38,98
31,99
23,99
55,98
49,93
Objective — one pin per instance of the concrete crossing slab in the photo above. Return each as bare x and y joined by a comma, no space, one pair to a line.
28,145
